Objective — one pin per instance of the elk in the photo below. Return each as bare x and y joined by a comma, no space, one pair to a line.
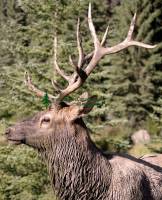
78,169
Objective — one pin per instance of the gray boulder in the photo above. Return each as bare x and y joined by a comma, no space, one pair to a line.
141,137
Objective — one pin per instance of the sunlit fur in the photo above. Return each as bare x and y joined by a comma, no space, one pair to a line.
78,169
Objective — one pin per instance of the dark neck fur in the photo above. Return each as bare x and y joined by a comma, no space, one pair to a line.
77,168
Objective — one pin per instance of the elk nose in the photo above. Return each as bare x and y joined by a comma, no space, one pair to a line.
8,131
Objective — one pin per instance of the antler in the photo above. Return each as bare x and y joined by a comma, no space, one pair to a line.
34,89
81,71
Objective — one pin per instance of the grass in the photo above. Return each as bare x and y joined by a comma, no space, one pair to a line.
2,130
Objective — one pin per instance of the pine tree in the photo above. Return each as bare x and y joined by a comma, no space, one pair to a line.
32,48
26,37
46,102
128,85
135,75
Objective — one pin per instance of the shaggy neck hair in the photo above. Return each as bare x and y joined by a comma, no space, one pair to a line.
76,167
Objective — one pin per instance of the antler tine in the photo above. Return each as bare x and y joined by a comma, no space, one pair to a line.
79,45
96,41
90,55
56,66
92,28
131,28
101,51
33,88
75,67
56,86
76,70
128,41
81,74
105,36
81,55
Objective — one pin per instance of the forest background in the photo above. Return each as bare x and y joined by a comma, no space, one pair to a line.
128,85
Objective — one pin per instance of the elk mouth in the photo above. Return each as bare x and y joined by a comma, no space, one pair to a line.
13,138
14,141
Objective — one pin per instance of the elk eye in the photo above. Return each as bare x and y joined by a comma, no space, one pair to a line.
46,120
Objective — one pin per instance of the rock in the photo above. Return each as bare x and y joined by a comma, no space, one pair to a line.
141,137
3,140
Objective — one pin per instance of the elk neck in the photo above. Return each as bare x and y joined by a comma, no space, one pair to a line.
75,162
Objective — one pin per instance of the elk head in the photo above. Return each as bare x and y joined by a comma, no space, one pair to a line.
50,126
64,120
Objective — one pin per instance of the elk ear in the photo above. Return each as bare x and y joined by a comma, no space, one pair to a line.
84,105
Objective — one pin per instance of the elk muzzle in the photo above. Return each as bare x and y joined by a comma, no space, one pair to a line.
14,137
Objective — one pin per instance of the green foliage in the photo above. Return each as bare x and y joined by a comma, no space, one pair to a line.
26,37
28,45
46,102
128,85
114,145
153,125
135,91
23,176
114,139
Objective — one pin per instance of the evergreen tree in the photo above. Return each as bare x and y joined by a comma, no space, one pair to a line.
128,85
26,37
135,76
46,102
30,46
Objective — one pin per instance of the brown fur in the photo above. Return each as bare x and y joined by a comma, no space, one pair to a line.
77,168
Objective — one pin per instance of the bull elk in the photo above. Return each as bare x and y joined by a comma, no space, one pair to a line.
77,168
